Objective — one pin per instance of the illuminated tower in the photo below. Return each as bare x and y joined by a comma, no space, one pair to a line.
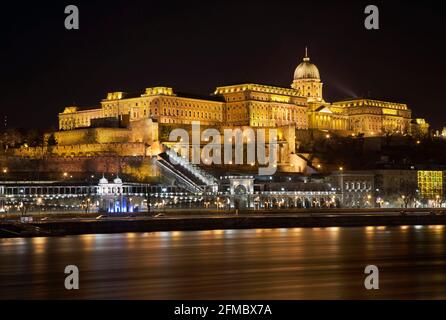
307,80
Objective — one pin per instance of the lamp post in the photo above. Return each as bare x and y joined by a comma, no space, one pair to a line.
87,209
147,196
39,203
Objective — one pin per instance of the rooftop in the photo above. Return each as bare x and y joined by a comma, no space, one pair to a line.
256,87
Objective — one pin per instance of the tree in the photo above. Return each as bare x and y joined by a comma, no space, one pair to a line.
34,138
165,132
408,190
52,140
11,138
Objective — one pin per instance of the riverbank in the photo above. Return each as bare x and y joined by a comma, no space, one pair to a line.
175,222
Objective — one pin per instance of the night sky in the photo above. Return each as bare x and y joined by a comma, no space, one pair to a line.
196,46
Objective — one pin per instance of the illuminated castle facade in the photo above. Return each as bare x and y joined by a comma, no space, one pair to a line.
302,105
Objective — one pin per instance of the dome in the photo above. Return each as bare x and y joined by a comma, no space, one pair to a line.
103,180
117,180
306,70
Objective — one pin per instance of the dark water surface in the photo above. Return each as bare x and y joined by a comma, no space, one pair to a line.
294,263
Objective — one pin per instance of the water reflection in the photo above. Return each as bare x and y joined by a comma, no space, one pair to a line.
296,263
39,244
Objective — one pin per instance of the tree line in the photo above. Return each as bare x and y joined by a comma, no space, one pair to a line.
15,138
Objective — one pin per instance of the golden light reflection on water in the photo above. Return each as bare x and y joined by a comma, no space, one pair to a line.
436,227
88,240
39,244
39,250
265,231
331,231
334,232
438,230
176,234
131,239
225,264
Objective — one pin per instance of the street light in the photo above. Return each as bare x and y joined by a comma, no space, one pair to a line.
39,203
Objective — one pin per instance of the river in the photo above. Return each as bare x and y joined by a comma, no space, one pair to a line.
298,263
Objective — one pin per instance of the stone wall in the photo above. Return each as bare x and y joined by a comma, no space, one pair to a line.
92,135
144,130
131,168
89,150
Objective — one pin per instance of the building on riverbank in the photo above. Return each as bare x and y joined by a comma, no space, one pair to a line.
116,196
104,196
248,104
138,124
390,187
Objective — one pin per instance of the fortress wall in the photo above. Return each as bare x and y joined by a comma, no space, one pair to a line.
91,150
132,168
144,130
92,135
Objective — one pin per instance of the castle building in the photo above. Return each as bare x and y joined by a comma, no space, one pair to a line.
256,105
374,117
